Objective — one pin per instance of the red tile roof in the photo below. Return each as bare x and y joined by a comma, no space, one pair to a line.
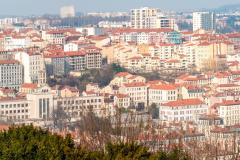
184,102
29,85
122,74
228,85
204,44
9,62
122,96
75,53
135,84
163,87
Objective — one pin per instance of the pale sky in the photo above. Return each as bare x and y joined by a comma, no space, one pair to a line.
36,7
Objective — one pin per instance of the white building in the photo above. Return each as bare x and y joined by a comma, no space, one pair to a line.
165,22
204,20
79,106
16,42
41,103
34,67
182,110
137,91
144,17
70,47
229,110
35,106
90,31
122,101
163,93
14,108
114,24
11,74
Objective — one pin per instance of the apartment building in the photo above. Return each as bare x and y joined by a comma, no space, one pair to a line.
37,105
122,101
76,45
229,110
11,74
122,78
204,20
14,108
34,66
87,58
137,91
16,42
150,18
93,57
53,36
182,110
144,17
165,22
147,36
79,106
162,93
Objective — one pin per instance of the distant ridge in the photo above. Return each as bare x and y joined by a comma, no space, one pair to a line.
227,8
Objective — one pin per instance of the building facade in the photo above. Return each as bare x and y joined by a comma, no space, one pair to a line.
204,20
11,74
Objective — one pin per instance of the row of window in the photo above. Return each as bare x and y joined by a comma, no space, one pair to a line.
14,105
14,111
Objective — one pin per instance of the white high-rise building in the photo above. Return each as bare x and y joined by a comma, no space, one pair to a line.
67,11
204,20
144,17
165,22
34,67
151,18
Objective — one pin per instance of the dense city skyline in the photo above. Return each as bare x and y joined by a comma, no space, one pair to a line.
120,79
52,7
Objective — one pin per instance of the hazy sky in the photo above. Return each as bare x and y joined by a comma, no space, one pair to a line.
29,7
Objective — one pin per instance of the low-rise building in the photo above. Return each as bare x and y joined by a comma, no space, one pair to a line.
137,91
229,110
122,101
162,93
182,110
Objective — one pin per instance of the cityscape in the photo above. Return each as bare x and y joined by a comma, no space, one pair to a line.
143,83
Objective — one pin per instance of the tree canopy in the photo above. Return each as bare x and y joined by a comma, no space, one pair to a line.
28,142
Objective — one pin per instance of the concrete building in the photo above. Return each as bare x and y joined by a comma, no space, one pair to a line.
87,58
35,106
148,36
16,42
34,67
228,110
11,74
90,31
137,91
163,93
144,17
182,110
204,20
165,22
78,106
41,103
14,108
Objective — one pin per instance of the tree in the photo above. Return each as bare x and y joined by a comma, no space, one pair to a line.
117,68
131,151
58,117
153,111
28,142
